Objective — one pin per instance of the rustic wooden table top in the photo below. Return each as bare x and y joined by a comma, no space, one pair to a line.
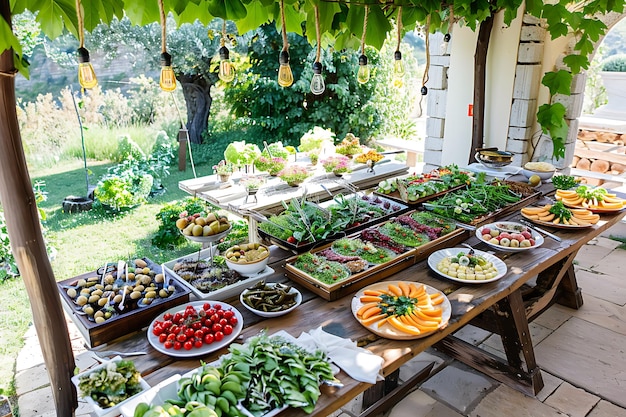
336,317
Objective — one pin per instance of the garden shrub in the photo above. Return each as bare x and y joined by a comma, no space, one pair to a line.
614,63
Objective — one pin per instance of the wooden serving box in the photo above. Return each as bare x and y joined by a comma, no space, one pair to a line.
127,322
402,195
302,247
374,273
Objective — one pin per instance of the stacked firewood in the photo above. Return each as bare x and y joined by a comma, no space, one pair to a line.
604,166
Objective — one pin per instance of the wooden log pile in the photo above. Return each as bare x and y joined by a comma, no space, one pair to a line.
600,152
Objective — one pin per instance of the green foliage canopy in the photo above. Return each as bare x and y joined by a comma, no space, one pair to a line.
340,24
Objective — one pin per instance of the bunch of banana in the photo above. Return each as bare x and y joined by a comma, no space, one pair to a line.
559,214
592,198
212,388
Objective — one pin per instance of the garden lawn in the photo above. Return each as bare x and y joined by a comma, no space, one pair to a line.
83,242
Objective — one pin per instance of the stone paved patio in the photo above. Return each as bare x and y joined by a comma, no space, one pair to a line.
593,337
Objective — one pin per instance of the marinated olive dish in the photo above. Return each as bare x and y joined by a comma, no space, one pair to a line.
467,266
112,293
246,253
269,297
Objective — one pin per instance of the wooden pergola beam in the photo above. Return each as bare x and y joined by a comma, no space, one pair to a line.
27,243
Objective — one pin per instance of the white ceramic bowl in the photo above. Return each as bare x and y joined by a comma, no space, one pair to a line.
544,175
261,313
248,269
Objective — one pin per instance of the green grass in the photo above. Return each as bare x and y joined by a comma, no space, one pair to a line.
619,239
83,242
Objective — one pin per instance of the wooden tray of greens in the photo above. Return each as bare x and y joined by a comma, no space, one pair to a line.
480,203
304,225
353,262
416,189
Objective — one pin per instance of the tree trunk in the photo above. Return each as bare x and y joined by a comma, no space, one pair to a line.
480,74
27,244
197,92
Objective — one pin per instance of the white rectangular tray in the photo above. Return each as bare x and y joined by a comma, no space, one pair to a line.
111,411
223,293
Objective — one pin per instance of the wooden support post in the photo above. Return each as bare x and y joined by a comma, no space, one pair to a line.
27,244
183,138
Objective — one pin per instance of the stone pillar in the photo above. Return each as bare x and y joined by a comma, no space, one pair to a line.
437,96
528,75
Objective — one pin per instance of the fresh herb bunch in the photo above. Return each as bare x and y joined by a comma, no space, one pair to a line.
477,200
112,384
560,211
328,272
590,193
564,182
281,373
366,250
404,235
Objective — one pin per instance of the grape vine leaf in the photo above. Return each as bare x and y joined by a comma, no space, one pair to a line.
551,117
257,15
559,82
575,62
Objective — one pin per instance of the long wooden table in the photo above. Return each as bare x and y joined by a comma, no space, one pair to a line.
535,279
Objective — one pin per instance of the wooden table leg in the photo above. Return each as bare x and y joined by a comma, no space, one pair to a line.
393,396
512,325
569,294
555,284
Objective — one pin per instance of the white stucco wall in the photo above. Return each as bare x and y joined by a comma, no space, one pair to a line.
501,62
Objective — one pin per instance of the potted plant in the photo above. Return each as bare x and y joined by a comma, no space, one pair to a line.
242,154
613,73
369,158
294,175
349,146
314,139
338,165
252,184
224,170
273,165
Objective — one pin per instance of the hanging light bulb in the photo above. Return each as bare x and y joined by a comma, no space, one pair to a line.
227,71
285,76
168,78
317,82
363,75
398,65
86,74
167,82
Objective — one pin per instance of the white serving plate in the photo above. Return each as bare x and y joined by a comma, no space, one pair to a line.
504,226
205,349
438,256
223,293
111,411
